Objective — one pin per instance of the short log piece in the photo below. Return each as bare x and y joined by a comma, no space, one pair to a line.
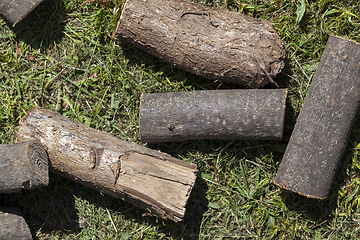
13,225
23,166
212,114
149,179
320,135
214,43
16,10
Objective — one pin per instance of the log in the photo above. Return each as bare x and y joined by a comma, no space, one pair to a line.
149,179
13,225
321,132
212,43
23,165
212,114
16,10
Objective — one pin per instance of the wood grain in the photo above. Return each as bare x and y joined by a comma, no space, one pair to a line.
149,179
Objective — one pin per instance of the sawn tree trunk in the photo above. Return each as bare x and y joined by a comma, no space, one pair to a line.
149,179
212,114
213,43
321,132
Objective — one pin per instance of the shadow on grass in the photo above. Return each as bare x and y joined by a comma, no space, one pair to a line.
51,210
44,26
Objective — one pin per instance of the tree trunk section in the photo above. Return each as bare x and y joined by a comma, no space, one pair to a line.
16,10
216,114
13,225
23,165
213,43
320,135
149,179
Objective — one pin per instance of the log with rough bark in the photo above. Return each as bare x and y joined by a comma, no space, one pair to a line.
16,10
321,132
23,165
213,43
216,114
149,179
13,225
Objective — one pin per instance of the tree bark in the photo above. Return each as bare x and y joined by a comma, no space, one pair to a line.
320,135
217,114
213,43
13,225
23,165
149,179
16,10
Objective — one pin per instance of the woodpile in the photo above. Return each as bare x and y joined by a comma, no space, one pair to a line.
212,43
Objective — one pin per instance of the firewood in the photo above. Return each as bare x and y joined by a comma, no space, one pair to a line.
13,225
216,114
16,10
23,165
214,43
149,179
321,132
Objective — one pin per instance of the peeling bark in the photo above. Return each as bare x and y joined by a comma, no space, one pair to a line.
149,179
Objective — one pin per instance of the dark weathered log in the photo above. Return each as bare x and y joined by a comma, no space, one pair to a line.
320,135
217,114
13,225
23,165
15,10
213,43
147,178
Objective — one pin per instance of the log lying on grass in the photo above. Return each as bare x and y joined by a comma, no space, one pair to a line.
217,114
144,177
13,225
23,165
320,135
213,43
16,10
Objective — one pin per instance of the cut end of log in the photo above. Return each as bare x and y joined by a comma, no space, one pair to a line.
39,158
23,166
13,225
300,193
16,10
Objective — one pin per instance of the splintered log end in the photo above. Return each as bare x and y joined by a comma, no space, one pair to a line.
149,179
320,135
23,165
13,225
16,10
213,43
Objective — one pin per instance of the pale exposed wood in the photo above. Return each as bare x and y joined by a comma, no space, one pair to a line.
13,225
16,10
321,132
214,43
213,114
144,177
23,165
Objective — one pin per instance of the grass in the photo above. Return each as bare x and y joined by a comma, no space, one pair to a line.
63,57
